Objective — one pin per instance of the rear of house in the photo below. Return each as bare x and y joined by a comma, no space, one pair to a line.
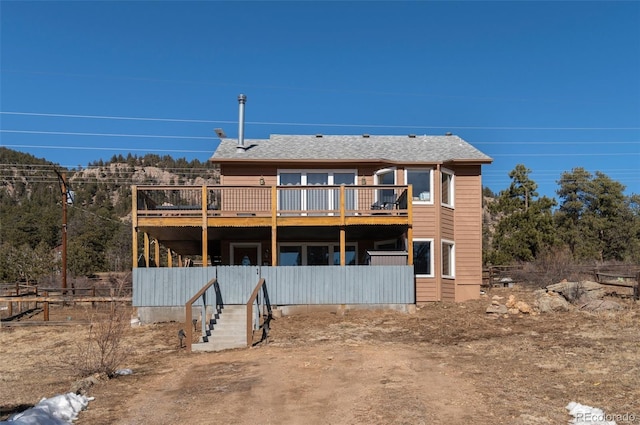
416,194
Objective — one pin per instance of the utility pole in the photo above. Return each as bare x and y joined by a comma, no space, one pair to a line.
65,198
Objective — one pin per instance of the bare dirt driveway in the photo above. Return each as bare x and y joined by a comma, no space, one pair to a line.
446,364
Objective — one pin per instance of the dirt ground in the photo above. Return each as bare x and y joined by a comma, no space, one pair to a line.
445,364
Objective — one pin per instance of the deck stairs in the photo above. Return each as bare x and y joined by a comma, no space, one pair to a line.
225,329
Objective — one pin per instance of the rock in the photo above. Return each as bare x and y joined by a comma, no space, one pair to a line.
523,307
82,386
600,305
551,302
585,290
494,302
497,297
497,309
511,302
514,311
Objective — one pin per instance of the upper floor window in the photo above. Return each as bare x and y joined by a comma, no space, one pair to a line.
448,259
420,179
447,188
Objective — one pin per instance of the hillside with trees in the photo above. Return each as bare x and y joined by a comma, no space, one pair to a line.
98,221
591,222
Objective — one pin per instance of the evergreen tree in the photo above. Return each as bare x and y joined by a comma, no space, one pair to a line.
595,217
525,223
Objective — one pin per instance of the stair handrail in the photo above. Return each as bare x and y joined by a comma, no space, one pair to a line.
188,324
266,320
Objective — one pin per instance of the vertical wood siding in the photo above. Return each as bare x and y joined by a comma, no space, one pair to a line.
163,287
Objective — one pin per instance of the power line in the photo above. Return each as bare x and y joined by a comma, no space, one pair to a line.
68,133
95,148
338,125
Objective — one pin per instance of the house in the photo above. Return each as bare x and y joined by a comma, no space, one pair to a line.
329,200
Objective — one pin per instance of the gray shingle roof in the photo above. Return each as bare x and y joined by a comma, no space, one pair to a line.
429,149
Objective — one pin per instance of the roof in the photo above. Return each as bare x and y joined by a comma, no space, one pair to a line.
360,148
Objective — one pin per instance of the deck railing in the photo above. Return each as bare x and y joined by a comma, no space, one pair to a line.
260,201
203,312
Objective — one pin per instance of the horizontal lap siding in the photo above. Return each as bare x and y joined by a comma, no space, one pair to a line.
468,231
286,285
447,226
426,290
243,175
424,221
448,290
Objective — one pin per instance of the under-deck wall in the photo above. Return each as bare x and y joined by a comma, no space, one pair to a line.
166,287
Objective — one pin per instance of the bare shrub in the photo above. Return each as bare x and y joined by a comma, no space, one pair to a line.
104,350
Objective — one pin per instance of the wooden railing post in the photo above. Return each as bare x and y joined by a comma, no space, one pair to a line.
252,298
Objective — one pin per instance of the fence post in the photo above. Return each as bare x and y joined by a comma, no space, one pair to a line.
46,308
636,288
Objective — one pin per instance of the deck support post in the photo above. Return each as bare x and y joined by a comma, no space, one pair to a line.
156,252
343,235
146,249
274,225
410,227
134,225
205,225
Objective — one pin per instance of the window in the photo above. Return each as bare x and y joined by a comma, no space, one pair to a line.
420,179
314,254
350,255
448,259
422,258
290,256
321,201
386,176
447,188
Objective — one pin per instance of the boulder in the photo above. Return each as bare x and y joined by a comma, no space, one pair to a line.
523,307
497,309
551,302
600,305
585,290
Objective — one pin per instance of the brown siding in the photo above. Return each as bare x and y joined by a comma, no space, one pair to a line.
426,290
243,175
448,223
448,290
424,221
468,232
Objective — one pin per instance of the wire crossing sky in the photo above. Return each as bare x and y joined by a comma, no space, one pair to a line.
551,85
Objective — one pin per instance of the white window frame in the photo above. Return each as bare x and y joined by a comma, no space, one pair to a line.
304,245
431,259
431,193
303,181
452,192
452,261
233,245
376,179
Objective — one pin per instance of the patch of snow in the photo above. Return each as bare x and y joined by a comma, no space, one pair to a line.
124,372
59,410
587,415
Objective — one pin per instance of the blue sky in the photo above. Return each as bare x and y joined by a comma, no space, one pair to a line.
552,85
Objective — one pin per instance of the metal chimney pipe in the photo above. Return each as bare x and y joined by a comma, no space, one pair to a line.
242,99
